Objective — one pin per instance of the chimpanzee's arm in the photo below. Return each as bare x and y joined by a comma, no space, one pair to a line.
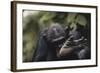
41,50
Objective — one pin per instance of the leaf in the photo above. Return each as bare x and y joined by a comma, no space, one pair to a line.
71,17
81,20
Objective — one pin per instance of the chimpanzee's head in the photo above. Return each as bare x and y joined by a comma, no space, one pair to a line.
56,34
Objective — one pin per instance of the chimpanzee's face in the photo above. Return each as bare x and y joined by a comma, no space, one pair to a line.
55,32
56,36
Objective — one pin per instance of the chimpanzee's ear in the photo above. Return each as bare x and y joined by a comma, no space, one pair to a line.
44,33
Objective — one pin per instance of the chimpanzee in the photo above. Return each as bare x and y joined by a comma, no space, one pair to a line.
51,40
77,46
49,43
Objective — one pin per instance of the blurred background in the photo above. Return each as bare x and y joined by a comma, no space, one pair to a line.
36,21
